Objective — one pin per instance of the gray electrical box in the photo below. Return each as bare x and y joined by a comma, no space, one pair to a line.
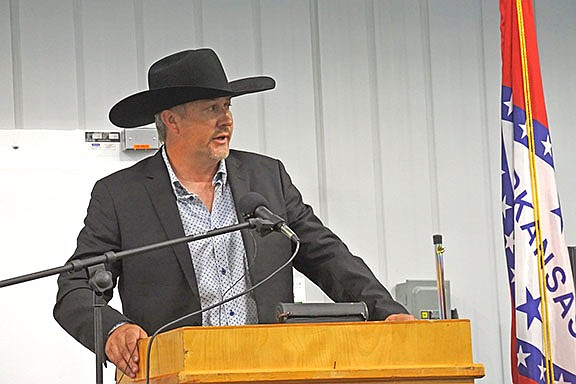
420,297
144,138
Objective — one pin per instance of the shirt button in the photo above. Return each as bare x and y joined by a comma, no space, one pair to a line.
231,313
223,271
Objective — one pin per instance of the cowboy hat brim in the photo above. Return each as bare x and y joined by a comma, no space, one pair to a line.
139,109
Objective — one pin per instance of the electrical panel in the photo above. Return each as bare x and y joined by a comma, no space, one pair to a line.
420,297
144,138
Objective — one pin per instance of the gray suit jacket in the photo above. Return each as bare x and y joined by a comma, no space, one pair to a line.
136,207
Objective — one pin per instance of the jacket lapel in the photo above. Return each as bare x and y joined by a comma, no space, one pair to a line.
240,185
272,250
157,184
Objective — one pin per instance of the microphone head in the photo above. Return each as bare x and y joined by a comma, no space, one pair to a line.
437,239
249,202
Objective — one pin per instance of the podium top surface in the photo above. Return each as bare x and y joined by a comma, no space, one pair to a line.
315,352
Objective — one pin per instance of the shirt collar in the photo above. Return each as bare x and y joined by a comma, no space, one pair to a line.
220,178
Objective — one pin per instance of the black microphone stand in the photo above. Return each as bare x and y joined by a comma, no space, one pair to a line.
101,280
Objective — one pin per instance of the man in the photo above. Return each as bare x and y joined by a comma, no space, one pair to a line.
190,186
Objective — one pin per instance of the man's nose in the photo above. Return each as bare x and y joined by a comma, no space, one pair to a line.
226,117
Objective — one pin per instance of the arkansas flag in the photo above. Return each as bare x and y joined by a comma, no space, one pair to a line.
543,337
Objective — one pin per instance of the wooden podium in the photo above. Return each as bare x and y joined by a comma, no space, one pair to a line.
371,352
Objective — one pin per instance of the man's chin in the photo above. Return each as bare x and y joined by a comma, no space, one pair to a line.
220,155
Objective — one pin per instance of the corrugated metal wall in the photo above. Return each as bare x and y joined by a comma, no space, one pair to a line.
386,114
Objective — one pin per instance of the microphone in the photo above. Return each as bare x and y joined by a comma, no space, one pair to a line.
254,205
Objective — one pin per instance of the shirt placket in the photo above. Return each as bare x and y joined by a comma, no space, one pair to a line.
229,310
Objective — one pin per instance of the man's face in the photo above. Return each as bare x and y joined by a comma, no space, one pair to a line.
206,128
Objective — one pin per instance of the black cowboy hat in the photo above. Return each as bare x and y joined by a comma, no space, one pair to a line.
180,78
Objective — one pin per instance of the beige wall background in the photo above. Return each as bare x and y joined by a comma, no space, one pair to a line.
386,114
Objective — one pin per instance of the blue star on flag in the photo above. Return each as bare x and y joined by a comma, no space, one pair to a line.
531,308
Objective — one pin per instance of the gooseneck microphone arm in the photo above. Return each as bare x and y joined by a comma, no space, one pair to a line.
258,284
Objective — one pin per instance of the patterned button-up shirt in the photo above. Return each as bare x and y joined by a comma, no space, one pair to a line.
219,262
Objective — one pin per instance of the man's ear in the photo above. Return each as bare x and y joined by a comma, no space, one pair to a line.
169,119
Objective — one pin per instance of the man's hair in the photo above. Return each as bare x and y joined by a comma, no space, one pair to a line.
180,110
160,128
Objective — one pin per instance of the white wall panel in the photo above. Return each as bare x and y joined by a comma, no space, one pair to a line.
404,141
6,68
44,193
289,109
49,84
169,28
291,131
109,59
347,117
499,309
